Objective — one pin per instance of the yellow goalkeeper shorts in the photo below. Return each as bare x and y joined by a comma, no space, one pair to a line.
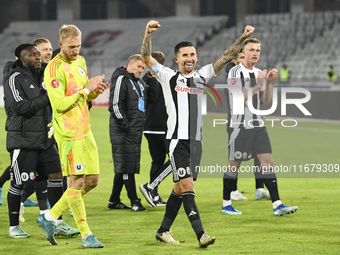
79,157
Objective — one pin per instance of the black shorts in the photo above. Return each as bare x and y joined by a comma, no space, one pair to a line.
31,164
244,144
185,156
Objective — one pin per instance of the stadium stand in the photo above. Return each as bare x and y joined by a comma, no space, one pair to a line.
108,43
306,42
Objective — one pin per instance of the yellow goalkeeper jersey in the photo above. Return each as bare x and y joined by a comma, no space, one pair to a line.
64,81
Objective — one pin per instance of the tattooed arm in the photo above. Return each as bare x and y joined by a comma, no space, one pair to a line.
151,27
232,51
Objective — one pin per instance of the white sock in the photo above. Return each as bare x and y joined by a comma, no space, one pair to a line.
44,211
11,227
226,202
22,208
85,236
58,222
276,203
149,186
49,217
234,191
260,189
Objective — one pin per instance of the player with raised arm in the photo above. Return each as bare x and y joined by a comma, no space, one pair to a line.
184,125
248,137
260,192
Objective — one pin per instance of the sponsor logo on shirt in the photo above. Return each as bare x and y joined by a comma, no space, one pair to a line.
188,90
75,90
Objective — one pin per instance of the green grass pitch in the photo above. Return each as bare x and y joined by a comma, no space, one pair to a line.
314,229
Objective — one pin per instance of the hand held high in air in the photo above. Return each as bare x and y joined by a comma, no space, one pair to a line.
151,27
248,30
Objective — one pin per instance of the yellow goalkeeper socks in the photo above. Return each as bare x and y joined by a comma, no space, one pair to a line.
60,207
77,206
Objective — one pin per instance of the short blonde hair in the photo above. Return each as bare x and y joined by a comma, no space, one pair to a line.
41,40
251,40
67,31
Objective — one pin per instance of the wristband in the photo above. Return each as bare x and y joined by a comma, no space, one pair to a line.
87,91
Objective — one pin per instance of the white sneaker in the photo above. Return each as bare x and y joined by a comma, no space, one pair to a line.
166,237
236,195
18,232
259,194
206,240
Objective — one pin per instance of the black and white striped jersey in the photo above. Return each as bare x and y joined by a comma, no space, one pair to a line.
183,100
244,79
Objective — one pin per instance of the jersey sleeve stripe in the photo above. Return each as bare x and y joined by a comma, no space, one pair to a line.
53,69
15,92
116,98
234,70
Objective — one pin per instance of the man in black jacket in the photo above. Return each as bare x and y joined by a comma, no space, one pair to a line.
33,154
45,48
127,104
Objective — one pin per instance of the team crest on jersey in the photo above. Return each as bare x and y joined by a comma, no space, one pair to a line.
55,83
188,171
181,172
24,176
233,81
245,155
78,167
32,176
238,154
81,71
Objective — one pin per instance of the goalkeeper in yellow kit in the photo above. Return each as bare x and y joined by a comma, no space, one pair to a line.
69,90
